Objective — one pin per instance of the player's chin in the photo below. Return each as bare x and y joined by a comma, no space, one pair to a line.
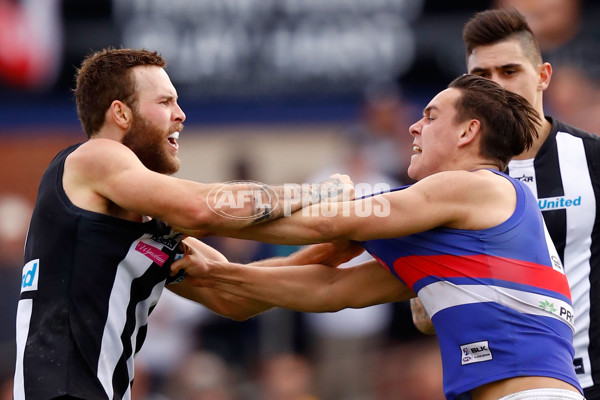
170,166
175,165
413,171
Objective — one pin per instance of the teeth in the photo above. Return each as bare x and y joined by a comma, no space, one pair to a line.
174,135
416,148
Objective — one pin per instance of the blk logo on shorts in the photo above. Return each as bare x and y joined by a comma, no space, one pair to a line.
475,352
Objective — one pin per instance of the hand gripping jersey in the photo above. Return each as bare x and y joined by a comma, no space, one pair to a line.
89,283
498,297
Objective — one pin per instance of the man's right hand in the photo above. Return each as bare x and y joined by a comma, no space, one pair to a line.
337,187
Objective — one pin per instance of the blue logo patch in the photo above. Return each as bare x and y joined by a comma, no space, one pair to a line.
29,280
558,203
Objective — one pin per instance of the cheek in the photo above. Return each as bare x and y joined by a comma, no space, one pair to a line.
525,88
157,115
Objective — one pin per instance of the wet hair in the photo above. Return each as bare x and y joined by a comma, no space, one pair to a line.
105,76
493,26
509,123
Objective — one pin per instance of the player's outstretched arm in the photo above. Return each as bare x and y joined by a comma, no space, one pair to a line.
111,171
306,288
438,200
241,308
223,303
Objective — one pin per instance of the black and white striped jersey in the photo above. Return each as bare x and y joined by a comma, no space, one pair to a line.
565,178
89,283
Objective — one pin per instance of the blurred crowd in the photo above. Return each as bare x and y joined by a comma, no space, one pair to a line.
369,354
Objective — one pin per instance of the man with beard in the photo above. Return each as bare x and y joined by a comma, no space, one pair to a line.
101,241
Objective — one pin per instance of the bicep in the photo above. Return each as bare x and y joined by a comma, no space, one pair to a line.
145,192
421,207
108,170
383,216
367,284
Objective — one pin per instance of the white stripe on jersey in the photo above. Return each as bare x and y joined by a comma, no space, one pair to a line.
518,300
580,222
24,311
141,313
557,265
523,171
131,267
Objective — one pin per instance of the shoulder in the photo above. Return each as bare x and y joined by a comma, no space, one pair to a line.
99,160
458,181
562,127
471,199
461,187
103,153
574,140
101,146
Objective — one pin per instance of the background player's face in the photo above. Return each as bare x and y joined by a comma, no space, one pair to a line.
506,64
435,136
157,119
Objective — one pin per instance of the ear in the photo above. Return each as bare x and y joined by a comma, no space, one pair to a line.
471,130
544,76
121,114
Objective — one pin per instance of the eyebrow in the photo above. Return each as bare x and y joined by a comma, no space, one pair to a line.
505,66
168,97
428,109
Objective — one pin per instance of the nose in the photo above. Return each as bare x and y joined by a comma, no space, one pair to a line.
495,77
415,129
179,115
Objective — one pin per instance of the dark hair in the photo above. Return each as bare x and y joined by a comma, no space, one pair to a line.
105,76
493,26
508,122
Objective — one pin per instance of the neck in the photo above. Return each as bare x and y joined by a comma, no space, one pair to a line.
486,166
109,131
543,133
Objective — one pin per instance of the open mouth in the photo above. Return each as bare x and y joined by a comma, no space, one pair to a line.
416,149
172,138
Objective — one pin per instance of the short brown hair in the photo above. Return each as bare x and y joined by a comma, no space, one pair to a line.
105,76
493,26
508,122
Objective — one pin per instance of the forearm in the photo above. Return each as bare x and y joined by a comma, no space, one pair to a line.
306,226
245,204
300,288
330,254
307,288
222,303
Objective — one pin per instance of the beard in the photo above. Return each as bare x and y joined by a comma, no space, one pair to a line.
149,143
